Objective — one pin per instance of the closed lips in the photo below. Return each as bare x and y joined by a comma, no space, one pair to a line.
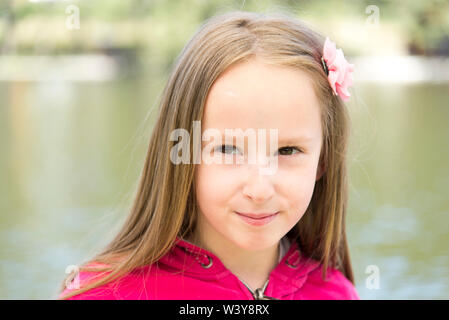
256,216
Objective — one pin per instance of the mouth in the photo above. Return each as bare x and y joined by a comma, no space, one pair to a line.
257,219
256,216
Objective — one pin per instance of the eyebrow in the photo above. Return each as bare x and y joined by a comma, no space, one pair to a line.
283,140
293,140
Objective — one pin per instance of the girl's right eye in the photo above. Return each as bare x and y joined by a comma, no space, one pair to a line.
223,148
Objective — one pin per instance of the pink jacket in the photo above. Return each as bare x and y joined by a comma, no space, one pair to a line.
206,278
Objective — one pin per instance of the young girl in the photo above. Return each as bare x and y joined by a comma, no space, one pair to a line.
201,230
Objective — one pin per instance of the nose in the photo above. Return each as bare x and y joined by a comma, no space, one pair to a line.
258,187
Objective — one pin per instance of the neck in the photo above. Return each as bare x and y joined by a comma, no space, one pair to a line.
250,266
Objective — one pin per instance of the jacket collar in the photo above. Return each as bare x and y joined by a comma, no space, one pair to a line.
197,262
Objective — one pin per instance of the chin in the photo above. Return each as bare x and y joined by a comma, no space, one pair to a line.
257,243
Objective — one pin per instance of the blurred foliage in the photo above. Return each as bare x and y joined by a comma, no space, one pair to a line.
162,27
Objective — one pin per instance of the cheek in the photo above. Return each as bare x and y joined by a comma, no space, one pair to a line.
214,186
297,188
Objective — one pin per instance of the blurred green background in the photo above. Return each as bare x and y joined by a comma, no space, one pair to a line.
79,84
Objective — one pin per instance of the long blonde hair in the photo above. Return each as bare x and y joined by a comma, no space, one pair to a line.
165,205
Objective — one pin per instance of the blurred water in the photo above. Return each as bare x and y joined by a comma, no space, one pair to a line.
71,153
398,213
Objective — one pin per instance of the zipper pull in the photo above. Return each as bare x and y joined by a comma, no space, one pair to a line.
259,293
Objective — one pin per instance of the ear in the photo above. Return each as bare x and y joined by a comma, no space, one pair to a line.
321,170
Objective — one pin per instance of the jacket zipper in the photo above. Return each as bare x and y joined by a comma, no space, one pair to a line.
258,294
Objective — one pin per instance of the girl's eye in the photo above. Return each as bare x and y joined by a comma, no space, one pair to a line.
288,150
223,148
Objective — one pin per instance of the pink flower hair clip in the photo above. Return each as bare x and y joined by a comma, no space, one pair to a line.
338,70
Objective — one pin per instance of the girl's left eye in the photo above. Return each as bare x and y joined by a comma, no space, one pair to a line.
289,150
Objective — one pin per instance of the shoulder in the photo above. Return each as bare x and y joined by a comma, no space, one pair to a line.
99,293
334,286
82,279
135,285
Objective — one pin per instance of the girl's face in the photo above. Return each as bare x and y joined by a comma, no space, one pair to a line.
254,95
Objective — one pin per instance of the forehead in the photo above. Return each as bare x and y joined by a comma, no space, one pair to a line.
257,95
